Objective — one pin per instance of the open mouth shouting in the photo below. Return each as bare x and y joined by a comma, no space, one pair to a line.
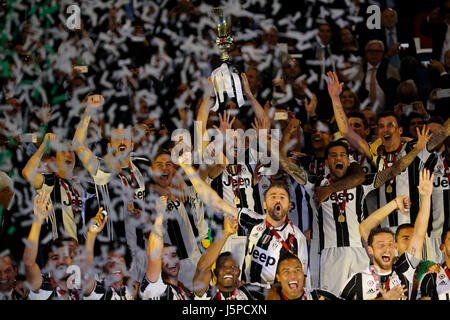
277,208
387,139
339,166
386,258
122,147
293,285
227,276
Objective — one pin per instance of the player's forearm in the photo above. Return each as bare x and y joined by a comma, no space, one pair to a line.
80,135
154,253
347,132
294,170
390,173
212,253
420,227
258,109
31,247
355,177
375,219
438,137
32,165
205,192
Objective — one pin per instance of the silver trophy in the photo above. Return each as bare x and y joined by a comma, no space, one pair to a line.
225,78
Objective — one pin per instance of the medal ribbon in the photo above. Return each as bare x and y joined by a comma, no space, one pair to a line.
377,282
341,205
72,294
276,234
235,191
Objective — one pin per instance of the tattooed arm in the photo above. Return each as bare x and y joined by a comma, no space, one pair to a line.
334,90
294,170
403,163
355,176
439,136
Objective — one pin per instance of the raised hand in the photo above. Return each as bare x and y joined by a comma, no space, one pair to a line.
42,205
311,105
333,84
225,122
230,225
97,223
246,85
425,183
403,204
422,138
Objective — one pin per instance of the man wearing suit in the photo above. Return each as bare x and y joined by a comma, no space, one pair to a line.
437,26
392,34
380,78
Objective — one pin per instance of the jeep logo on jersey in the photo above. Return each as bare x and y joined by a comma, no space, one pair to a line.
244,183
440,182
262,257
139,194
173,205
74,203
350,197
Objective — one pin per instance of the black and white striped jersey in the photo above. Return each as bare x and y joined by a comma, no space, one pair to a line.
66,217
50,291
160,290
115,192
301,211
236,180
264,248
241,293
102,292
181,230
363,285
334,230
435,285
404,184
440,198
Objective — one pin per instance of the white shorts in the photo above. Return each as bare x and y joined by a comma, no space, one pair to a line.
337,265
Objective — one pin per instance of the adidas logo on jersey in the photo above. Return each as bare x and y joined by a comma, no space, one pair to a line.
370,291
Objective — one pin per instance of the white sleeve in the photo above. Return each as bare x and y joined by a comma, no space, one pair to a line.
152,290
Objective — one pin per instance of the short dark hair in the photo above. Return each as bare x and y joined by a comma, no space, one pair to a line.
337,143
376,231
360,115
278,184
222,256
161,151
286,255
444,234
388,113
401,227
57,243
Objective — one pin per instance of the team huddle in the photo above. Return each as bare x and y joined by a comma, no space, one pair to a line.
361,222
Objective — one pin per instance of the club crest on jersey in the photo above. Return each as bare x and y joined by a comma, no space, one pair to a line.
265,186
260,228
370,283
441,276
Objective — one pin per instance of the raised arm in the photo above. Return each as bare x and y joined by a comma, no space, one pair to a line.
96,225
42,207
29,172
202,275
206,193
156,243
421,224
390,173
89,160
357,142
257,108
439,135
355,176
401,203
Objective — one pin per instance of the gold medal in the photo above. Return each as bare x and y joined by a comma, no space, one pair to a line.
237,200
389,189
130,206
341,218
